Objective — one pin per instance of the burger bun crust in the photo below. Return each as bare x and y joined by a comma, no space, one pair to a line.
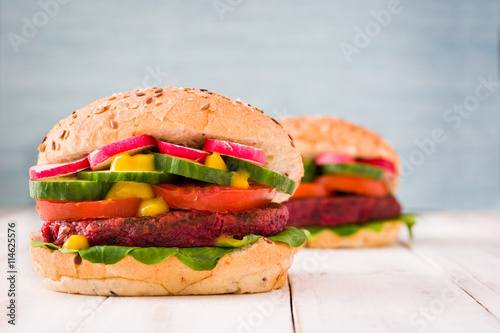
254,268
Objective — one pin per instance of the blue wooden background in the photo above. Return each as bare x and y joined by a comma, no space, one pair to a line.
402,79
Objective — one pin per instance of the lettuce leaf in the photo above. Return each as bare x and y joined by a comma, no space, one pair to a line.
153,255
292,236
202,258
107,255
196,258
233,242
377,226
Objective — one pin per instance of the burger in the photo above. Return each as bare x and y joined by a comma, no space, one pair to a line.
346,196
165,191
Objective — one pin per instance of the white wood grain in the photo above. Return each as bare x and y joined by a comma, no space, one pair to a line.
268,312
467,247
380,290
37,307
4,210
27,220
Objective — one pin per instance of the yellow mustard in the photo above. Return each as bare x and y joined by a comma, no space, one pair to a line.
215,161
122,190
239,179
139,162
151,207
76,242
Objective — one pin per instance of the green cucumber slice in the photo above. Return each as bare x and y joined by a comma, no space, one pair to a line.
261,175
357,169
309,171
149,177
191,169
68,189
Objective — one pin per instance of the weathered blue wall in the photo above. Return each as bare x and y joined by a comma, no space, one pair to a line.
288,58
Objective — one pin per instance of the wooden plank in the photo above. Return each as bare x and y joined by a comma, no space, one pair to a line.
27,220
380,290
38,308
4,210
267,312
467,247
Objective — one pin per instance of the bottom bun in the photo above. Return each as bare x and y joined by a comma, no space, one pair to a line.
365,237
258,267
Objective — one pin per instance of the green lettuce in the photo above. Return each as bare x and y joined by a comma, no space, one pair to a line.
233,242
196,258
202,258
291,236
377,226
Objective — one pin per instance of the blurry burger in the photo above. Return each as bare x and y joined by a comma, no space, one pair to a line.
347,195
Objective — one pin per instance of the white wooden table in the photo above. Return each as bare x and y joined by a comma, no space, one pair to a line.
446,280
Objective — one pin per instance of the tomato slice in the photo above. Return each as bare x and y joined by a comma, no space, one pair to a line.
215,198
310,190
353,184
55,210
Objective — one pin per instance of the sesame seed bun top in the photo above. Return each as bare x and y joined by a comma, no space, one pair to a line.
184,116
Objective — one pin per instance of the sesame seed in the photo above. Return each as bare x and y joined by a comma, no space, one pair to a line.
149,100
135,106
159,90
41,147
101,108
239,102
53,145
113,124
186,89
275,121
139,94
205,106
203,89
62,134
111,98
158,94
67,133
158,103
45,138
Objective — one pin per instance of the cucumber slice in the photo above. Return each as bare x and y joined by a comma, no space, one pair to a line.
309,171
149,177
190,169
68,189
261,175
357,169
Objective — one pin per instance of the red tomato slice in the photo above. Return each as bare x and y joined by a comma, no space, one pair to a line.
353,184
55,210
215,198
310,190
